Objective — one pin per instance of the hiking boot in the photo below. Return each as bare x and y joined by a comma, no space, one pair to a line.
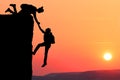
13,5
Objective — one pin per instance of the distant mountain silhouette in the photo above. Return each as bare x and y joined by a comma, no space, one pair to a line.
88,75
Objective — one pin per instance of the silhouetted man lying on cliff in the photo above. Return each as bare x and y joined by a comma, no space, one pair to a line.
26,9
48,40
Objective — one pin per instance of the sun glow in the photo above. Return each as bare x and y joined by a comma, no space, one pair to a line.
107,56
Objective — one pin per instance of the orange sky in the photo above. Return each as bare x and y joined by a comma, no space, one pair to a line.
84,30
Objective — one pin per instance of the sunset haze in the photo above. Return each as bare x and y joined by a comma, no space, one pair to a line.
84,30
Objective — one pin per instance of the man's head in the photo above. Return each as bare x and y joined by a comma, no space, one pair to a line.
24,6
48,30
39,10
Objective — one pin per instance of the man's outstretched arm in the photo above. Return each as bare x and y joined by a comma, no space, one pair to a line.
41,29
35,17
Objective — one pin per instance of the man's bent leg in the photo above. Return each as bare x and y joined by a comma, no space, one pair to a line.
37,47
45,56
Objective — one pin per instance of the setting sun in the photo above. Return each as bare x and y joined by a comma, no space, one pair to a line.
107,56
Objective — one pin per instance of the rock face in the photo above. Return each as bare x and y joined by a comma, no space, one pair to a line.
16,32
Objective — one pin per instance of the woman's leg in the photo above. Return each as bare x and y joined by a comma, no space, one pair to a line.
9,10
14,7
